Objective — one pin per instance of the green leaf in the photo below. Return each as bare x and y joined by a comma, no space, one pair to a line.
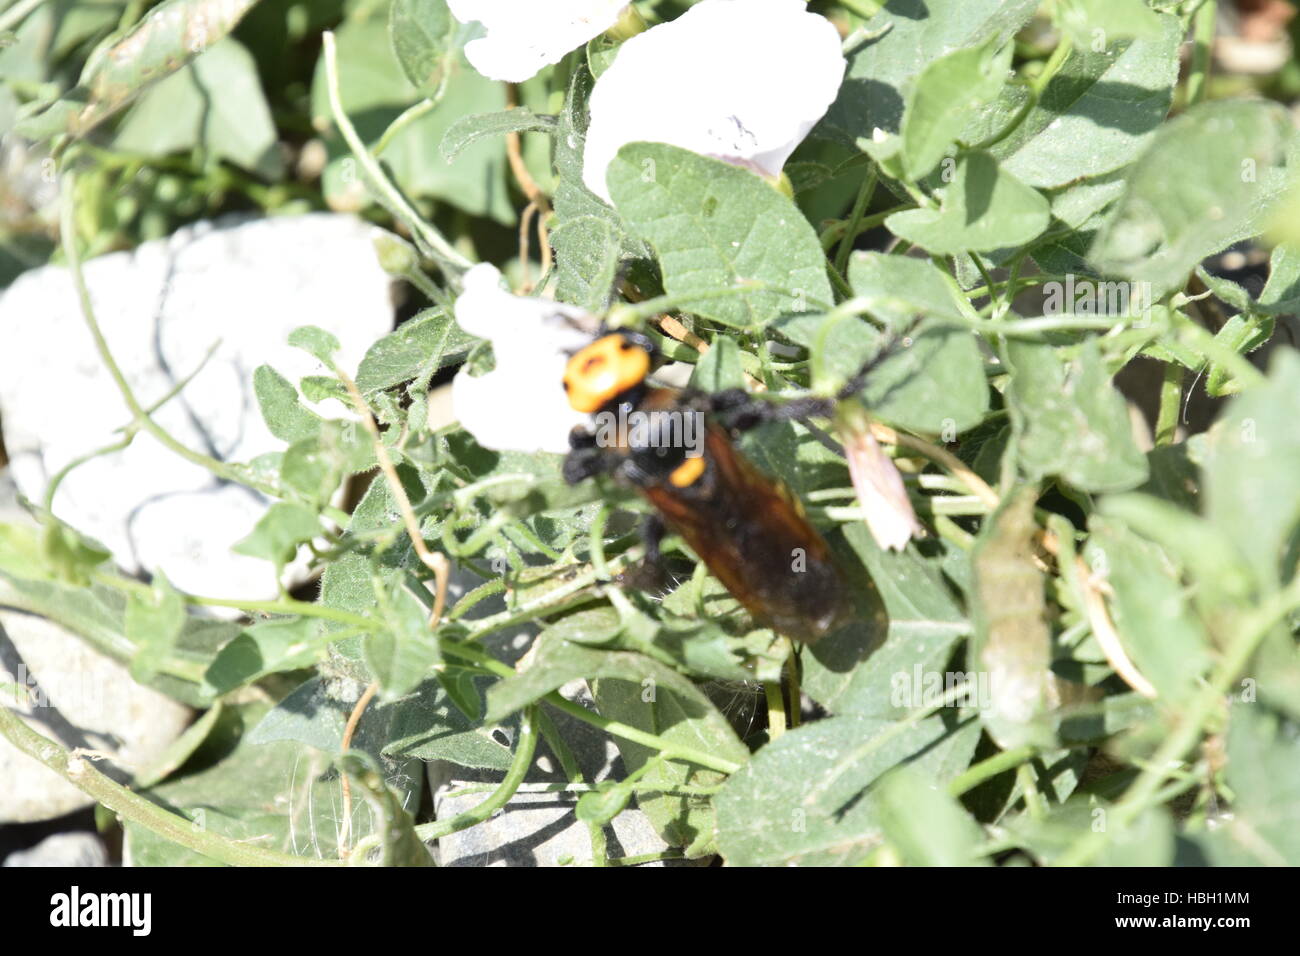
906,37
267,648
401,654
315,341
1206,551
1012,641
1243,333
399,844
942,99
660,701
719,368
935,383
429,726
317,466
1282,292
415,350
808,798
1252,470
1264,773
468,129
282,795
1228,154
154,623
1070,421
880,666
287,418
715,227
459,685
1113,100
215,104
1087,21
279,533
601,806
588,250
982,209
375,92
70,555
122,67
425,37
1152,613
925,825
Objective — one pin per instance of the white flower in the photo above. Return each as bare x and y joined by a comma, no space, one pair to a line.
525,35
739,80
878,485
520,405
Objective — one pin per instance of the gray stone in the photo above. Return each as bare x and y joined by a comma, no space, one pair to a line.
74,695
161,308
62,849
538,826
82,699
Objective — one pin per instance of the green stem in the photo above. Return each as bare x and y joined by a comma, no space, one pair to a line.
1171,403
451,261
838,230
989,768
667,748
525,747
1052,67
18,13
865,192
409,116
80,772
1198,75
1185,733
282,606
140,415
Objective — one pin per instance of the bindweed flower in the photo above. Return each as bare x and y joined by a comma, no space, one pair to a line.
520,405
877,483
525,35
743,81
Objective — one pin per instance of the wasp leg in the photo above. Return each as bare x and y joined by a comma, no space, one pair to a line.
653,530
585,458
649,574
738,411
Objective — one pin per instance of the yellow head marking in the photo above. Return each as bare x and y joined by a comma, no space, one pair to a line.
603,369
687,473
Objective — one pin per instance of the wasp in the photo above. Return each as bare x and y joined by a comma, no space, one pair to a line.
746,526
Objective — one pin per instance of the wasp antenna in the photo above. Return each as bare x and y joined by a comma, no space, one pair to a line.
890,347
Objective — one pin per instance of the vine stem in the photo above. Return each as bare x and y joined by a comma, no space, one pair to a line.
1171,402
1052,67
865,193
1198,75
519,764
140,415
450,260
666,747
1187,730
989,768
18,13
78,771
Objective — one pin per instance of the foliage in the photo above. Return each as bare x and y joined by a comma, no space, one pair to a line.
1102,618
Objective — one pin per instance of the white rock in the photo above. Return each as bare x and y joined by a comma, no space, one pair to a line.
85,700
161,308
63,849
